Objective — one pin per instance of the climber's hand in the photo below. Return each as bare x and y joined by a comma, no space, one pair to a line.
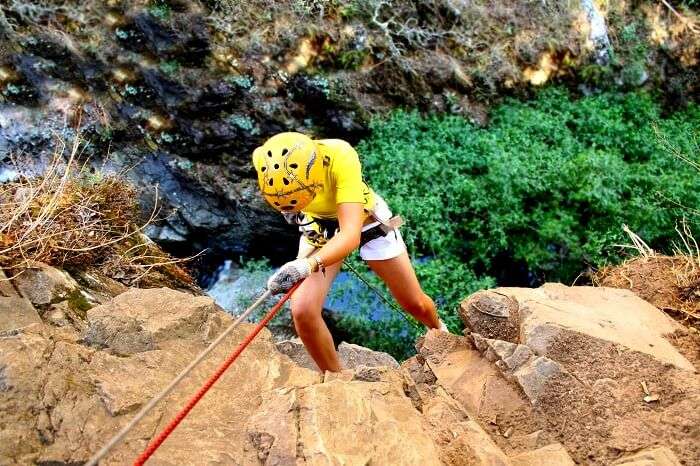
288,275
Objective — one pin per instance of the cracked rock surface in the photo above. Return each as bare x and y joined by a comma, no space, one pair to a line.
570,395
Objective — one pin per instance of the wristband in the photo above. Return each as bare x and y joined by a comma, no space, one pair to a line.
319,263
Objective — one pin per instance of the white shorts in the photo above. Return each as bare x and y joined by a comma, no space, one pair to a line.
385,247
382,248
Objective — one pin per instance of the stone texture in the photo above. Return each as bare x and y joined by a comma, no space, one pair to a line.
470,378
78,396
296,351
550,455
16,312
351,356
659,456
6,288
42,284
138,320
459,401
373,414
517,362
314,425
492,314
550,312
482,448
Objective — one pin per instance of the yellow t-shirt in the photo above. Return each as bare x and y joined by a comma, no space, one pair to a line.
343,181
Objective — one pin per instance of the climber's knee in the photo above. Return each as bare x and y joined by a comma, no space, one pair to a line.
305,313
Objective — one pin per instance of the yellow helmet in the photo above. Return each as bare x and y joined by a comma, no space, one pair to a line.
290,171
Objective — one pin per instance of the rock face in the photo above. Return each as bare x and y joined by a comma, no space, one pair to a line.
601,356
570,395
42,284
351,356
16,312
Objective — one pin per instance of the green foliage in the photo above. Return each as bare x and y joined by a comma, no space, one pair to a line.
160,9
169,67
546,186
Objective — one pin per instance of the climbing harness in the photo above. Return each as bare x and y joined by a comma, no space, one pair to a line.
153,446
318,231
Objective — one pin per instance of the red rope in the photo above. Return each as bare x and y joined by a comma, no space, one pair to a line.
153,446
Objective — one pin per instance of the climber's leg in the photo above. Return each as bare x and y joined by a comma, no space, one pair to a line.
307,304
401,279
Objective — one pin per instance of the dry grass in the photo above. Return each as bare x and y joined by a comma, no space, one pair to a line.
671,283
72,216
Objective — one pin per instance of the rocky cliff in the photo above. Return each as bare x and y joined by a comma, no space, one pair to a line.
554,375
179,93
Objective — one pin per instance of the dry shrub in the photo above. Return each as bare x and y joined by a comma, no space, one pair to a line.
671,283
71,216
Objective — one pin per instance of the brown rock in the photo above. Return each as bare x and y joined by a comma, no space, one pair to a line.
353,423
609,314
78,397
470,378
16,312
138,320
351,356
336,417
6,288
550,455
658,456
43,284
492,314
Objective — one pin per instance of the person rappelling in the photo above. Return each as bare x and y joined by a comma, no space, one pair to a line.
318,185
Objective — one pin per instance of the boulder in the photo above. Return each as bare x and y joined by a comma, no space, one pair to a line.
552,312
61,400
600,356
491,314
471,379
138,320
353,423
351,356
42,284
16,312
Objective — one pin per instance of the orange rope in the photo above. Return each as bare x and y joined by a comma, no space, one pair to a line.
153,446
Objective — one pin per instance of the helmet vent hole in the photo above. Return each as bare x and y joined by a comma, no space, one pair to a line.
293,165
269,153
263,169
285,181
277,165
293,201
271,182
284,151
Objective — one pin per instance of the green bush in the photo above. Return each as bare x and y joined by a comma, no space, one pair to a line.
545,189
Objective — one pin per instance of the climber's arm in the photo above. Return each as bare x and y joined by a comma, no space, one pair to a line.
350,219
